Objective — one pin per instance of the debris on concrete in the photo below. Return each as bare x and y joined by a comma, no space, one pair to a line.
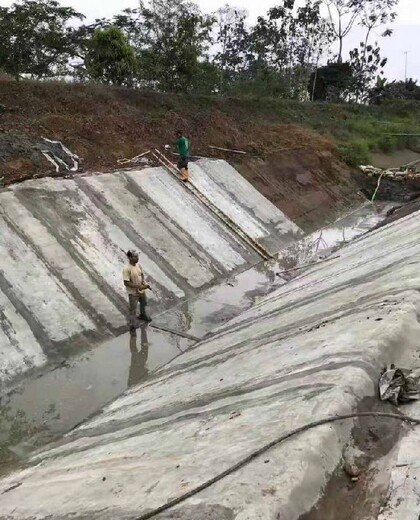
352,470
51,160
353,460
398,386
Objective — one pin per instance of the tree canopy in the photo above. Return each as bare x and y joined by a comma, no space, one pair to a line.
110,58
294,50
36,38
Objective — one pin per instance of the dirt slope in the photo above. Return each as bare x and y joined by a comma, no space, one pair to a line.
296,167
309,185
103,124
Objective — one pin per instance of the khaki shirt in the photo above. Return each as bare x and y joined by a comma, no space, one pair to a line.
133,274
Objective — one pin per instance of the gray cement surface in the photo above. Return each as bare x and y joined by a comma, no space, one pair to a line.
62,244
50,403
313,348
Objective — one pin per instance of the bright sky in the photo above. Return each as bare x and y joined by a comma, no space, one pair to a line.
406,36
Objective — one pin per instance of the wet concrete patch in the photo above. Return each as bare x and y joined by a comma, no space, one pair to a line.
199,512
46,406
327,240
217,306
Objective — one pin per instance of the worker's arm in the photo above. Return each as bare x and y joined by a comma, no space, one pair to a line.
140,287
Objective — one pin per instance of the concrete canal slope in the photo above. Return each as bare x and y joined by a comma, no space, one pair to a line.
62,244
312,349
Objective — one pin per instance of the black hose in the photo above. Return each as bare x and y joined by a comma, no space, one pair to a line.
249,458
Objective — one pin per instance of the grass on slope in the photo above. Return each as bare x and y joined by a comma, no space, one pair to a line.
102,123
358,130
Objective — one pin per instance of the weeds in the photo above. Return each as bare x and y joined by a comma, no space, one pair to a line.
355,152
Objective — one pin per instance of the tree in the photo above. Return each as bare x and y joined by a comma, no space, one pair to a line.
330,83
207,79
376,13
396,90
171,38
366,63
290,42
343,15
36,38
233,41
110,58
365,60
315,37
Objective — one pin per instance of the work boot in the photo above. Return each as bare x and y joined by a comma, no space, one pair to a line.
144,317
184,175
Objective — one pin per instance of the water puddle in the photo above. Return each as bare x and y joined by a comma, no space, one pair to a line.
55,402
322,243
218,305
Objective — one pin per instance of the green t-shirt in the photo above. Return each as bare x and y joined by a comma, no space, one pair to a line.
183,146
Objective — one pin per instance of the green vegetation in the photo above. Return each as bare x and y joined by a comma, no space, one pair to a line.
277,69
110,58
357,129
354,153
254,122
37,39
173,46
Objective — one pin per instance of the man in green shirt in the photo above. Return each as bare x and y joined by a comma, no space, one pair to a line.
183,148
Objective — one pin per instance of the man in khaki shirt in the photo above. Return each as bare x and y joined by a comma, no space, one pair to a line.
136,287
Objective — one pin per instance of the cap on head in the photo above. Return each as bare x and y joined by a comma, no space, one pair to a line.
131,253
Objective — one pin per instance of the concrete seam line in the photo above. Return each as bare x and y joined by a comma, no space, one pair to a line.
249,458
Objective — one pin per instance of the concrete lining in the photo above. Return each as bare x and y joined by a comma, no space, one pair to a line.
62,244
312,349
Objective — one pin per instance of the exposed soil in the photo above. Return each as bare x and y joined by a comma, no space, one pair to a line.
102,124
310,186
297,168
357,490
402,191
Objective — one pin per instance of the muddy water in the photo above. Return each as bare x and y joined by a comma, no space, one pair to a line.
323,242
47,406
58,400
213,308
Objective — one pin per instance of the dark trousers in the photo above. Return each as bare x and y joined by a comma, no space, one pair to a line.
133,302
183,162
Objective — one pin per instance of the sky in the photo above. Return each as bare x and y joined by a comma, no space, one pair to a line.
406,37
